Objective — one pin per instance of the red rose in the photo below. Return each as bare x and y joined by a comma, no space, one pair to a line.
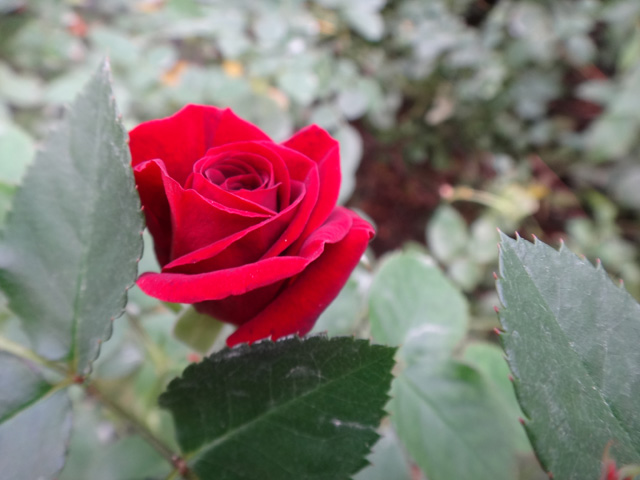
245,229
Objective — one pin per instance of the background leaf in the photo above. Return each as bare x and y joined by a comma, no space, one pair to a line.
292,409
440,408
571,338
197,330
35,422
452,422
412,304
72,242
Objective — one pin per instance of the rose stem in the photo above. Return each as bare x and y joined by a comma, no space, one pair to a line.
141,429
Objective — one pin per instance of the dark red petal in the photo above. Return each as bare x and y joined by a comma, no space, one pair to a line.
246,246
150,180
185,288
300,304
241,308
270,152
198,221
234,129
179,140
316,144
311,191
230,199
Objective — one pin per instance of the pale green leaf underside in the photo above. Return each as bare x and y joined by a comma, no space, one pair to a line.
292,409
441,409
35,423
453,423
414,305
571,338
72,241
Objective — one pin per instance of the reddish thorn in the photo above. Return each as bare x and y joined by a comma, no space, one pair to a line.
193,357
496,309
621,282
495,276
142,207
497,331
445,190
511,378
535,239
521,420
180,465
78,379
518,235
598,262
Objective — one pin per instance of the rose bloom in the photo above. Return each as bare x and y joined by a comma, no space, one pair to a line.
245,229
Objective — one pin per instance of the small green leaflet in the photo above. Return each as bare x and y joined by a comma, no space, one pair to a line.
571,338
291,409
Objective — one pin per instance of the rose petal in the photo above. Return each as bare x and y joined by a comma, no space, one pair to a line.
241,308
232,199
183,138
179,140
150,181
245,246
300,304
316,144
185,288
234,129
198,221
270,153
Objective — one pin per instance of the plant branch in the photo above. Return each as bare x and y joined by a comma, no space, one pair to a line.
141,429
156,354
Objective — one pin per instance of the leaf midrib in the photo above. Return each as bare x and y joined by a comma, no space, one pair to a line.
205,449
85,233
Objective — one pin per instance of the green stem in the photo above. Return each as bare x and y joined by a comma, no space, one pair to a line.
27,354
141,429
156,354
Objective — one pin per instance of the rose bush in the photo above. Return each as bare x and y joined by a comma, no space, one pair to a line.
244,228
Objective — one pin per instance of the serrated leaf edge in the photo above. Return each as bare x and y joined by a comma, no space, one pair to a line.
506,240
192,457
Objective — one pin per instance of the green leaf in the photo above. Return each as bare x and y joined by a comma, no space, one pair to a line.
388,460
35,423
452,423
16,151
72,241
439,405
196,330
413,304
571,338
447,233
6,196
292,409
489,360
348,309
